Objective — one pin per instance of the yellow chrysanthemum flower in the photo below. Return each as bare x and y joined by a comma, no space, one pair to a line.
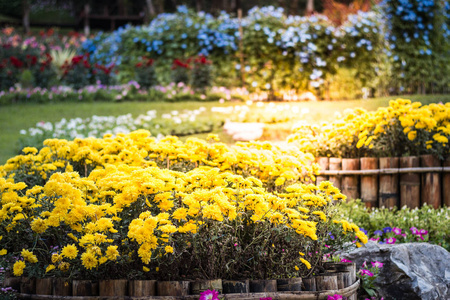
50,268
29,256
168,249
18,268
112,253
70,251
89,260
306,263
56,258
39,226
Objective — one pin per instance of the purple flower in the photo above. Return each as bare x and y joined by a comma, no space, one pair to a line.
209,295
414,230
344,260
387,229
391,240
335,297
378,232
366,272
377,264
397,230
266,298
363,230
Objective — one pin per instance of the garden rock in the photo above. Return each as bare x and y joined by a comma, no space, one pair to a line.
410,271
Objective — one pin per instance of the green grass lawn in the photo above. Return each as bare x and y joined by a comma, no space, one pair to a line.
13,118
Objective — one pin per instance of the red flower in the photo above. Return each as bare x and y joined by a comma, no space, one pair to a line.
33,60
16,62
202,60
76,59
86,64
178,63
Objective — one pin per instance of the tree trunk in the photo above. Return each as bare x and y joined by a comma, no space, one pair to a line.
235,5
26,16
198,5
294,8
309,7
150,10
86,19
225,5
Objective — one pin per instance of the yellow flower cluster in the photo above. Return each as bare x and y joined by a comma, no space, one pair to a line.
130,197
401,128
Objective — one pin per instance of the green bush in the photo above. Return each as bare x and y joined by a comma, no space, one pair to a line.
377,222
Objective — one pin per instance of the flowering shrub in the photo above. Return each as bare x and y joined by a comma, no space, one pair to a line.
201,78
403,128
15,62
418,33
368,275
279,52
181,70
79,72
130,91
145,73
175,123
404,225
19,53
133,206
6,292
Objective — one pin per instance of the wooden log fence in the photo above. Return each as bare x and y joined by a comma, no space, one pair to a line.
390,181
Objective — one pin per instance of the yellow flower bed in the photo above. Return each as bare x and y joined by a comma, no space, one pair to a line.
402,128
130,206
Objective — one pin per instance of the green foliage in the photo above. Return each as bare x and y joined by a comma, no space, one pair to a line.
435,221
26,79
419,37
368,275
145,73
176,123
201,78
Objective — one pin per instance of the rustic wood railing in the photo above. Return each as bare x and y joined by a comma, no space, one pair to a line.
390,181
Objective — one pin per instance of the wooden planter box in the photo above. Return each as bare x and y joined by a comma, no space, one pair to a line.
339,279
409,181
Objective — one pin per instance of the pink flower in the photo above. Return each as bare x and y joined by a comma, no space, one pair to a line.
375,239
414,230
266,298
366,272
209,295
423,232
391,240
377,264
335,297
397,230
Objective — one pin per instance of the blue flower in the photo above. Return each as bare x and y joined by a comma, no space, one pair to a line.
378,232
387,229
